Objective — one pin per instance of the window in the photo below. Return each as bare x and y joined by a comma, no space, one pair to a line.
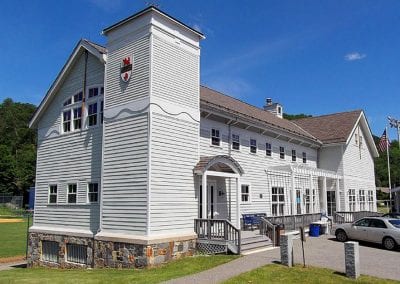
78,97
77,253
92,114
362,223
307,200
72,193
77,118
245,193
279,110
352,200
282,152
376,223
67,121
93,92
294,156
278,201
235,142
50,251
67,102
253,146
268,149
304,157
53,193
93,192
371,200
102,91
356,138
215,137
101,111
362,200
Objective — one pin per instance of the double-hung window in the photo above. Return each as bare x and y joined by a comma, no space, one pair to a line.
294,155
67,121
235,142
92,114
253,146
215,137
53,194
93,192
278,201
78,118
78,97
362,200
268,149
245,193
282,152
72,191
304,157
352,200
371,200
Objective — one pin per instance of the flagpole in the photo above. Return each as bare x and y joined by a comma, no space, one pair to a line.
388,165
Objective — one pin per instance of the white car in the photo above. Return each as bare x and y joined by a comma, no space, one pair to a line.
385,231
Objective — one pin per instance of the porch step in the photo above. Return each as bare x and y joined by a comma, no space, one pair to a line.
255,243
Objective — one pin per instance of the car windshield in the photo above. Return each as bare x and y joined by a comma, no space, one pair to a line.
395,223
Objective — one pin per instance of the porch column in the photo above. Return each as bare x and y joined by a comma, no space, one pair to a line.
337,194
204,196
293,196
311,195
238,190
324,196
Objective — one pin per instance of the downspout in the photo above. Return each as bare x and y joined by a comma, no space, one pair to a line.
229,155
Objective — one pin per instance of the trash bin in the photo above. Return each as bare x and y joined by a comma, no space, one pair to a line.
279,230
314,230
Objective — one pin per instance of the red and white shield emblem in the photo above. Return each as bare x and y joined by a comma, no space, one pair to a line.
126,68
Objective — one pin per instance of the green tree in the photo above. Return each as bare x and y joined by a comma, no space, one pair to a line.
17,147
381,170
295,116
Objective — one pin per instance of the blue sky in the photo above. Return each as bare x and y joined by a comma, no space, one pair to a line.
313,57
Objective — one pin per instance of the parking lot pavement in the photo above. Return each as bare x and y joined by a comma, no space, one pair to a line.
325,251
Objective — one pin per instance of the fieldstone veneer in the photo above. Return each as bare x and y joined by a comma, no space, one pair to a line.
108,253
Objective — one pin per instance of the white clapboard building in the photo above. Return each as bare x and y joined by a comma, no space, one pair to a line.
135,158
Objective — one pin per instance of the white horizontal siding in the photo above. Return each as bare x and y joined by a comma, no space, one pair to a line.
118,92
125,175
174,153
175,73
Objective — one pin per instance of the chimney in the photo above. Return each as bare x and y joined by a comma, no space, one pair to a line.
274,108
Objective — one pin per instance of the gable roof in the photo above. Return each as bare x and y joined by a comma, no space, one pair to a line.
331,128
84,44
237,107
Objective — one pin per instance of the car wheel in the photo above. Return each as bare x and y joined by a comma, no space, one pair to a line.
341,236
389,243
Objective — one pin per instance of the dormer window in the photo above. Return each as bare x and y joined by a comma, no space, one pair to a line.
279,110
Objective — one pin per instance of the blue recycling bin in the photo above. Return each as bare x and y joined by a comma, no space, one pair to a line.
314,230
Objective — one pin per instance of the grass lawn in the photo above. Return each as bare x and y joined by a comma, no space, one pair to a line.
8,212
275,273
168,271
12,239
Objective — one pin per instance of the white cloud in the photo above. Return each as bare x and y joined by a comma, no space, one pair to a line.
354,56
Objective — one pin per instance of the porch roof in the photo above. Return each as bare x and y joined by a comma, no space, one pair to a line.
220,163
305,170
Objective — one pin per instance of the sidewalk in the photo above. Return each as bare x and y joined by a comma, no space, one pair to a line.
12,265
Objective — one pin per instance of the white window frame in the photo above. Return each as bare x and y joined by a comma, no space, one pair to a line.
64,111
280,204
294,155
253,148
268,149
352,200
235,141
362,199
69,193
88,193
215,136
52,194
248,194
282,152
370,199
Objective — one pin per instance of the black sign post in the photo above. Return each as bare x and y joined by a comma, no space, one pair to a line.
303,239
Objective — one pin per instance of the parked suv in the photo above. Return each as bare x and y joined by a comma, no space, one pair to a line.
381,230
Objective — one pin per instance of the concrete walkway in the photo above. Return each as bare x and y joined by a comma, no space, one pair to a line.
12,265
319,252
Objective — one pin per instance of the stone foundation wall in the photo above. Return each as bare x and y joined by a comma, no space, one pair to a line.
111,254
35,250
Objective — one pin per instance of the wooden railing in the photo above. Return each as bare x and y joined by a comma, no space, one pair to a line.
218,230
293,222
268,229
349,217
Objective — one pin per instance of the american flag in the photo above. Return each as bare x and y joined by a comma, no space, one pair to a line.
384,142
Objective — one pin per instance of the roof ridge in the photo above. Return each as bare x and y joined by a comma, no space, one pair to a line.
329,114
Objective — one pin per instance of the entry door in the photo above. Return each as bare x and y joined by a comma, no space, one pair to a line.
211,199
331,199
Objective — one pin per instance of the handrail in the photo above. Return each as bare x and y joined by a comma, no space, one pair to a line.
268,229
293,222
349,217
218,230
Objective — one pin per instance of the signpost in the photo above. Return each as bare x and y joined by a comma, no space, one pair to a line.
303,239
